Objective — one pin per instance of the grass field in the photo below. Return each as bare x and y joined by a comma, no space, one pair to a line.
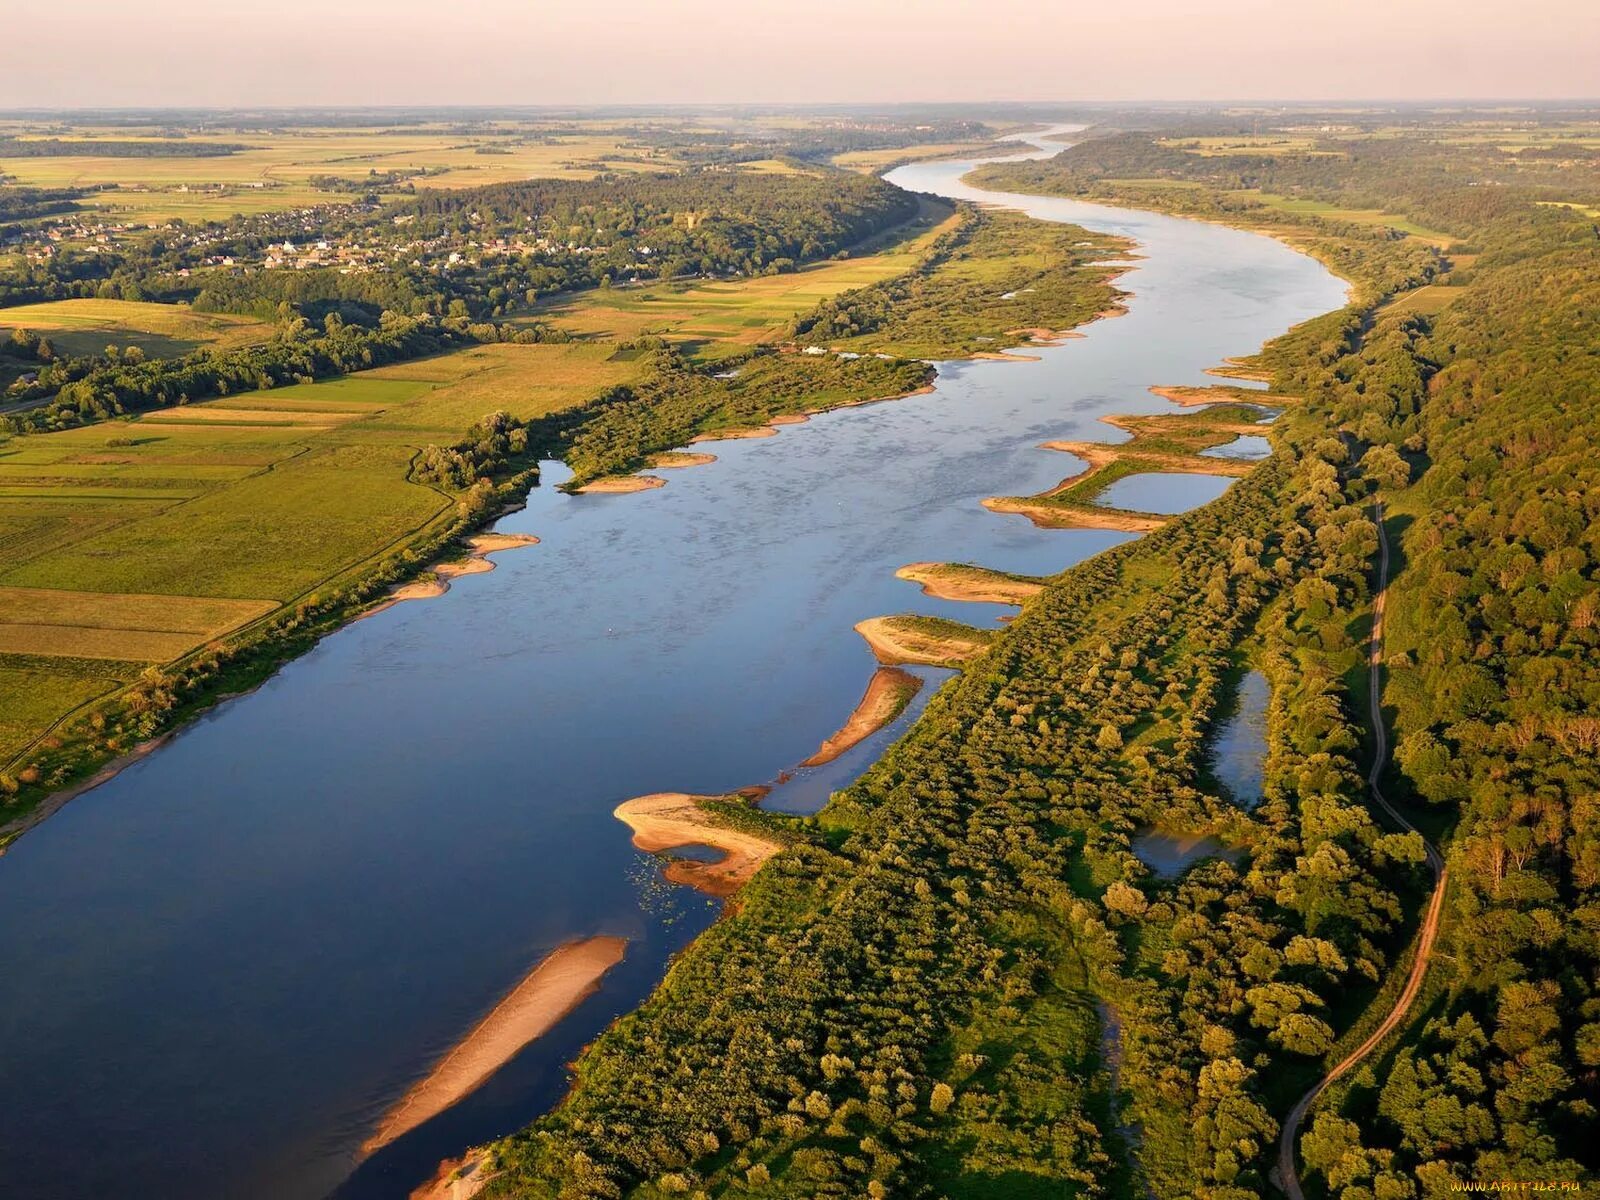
160,330
132,543
715,319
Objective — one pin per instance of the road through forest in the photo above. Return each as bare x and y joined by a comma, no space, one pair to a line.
1287,1174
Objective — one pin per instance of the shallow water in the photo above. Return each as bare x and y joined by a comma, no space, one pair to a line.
1163,492
1171,854
222,966
1246,446
1238,749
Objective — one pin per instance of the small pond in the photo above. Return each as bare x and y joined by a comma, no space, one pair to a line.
1163,492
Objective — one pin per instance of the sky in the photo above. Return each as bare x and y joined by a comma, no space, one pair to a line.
222,53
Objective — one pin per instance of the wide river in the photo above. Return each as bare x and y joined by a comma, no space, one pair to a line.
219,968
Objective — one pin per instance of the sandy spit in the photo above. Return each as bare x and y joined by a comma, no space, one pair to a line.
730,435
668,820
896,645
887,695
566,977
622,484
1083,516
947,582
672,460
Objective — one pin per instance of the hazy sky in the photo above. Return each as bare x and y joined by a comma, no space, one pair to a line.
285,52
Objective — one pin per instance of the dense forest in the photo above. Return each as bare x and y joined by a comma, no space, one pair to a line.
962,981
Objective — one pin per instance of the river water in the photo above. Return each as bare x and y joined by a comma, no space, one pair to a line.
219,968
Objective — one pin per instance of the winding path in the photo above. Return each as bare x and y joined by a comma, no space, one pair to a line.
1288,1177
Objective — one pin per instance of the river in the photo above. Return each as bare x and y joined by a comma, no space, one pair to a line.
220,967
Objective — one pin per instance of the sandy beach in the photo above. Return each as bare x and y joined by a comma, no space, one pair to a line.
477,561
886,697
549,992
668,820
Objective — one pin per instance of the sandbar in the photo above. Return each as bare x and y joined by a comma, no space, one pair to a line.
886,697
896,642
1218,394
672,460
566,977
959,581
668,820
730,435
1078,516
622,484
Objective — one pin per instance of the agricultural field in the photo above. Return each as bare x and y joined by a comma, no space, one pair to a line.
871,162
1360,216
131,543
83,327
276,170
712,320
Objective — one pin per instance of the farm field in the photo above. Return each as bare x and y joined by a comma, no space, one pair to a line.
1361,216
276,170
131,543
78,327
711,320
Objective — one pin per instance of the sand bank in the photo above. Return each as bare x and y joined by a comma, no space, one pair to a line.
899,641
1077,516
668,820
886,697
672,460
531,1009
959,581
622,484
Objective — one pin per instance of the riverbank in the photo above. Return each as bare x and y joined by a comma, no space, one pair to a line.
477,562
561,981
